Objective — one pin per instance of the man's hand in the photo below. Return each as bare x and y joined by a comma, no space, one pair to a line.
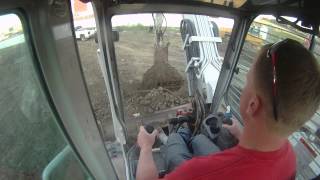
146,169
146,140
235,129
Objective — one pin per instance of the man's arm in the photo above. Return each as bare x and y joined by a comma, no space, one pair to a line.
147,169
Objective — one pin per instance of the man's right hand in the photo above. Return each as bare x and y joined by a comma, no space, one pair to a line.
235,129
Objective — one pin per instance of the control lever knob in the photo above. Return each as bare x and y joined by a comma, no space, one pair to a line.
227,121
149,128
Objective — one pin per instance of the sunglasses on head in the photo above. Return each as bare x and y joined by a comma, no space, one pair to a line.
273,55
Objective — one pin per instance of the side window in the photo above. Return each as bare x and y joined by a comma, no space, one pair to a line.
316,48
263,30
32,146
85,31
306,141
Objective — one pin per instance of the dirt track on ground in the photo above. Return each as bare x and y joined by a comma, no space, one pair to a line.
96,86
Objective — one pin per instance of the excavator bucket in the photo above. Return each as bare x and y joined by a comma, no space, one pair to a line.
161,73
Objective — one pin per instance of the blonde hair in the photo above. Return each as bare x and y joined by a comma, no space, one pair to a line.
298,86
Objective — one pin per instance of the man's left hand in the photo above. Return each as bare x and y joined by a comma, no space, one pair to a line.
146,140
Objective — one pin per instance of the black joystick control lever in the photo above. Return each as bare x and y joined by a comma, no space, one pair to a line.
211,125
162,137
227,121
149,128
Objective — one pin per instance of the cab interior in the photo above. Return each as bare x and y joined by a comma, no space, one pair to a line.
162,63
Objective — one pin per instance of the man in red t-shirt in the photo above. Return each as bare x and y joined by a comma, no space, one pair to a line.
282,92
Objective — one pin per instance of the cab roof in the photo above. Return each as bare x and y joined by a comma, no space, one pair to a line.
306,11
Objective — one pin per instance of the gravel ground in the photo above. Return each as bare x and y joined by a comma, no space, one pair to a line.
96,87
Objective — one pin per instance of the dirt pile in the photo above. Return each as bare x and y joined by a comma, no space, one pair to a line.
161,74
149,101
164,75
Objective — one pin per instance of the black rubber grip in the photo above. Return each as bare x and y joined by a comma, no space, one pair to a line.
149,128
227,121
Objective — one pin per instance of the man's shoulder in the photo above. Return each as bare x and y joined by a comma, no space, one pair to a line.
200,166
238,162
219,160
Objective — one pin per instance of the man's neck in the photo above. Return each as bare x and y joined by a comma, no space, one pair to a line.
260,140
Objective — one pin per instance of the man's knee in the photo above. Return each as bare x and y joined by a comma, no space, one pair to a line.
176,146
176,151
202,145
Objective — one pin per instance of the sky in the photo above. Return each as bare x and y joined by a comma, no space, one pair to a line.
173,20
8,21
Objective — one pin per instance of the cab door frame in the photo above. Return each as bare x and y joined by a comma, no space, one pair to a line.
50,31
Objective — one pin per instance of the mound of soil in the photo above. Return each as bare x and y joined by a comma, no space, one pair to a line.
149,101
161,73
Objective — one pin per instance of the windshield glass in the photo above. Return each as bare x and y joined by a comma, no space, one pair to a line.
160,56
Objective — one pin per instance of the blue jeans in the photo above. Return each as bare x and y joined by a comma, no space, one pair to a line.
181,147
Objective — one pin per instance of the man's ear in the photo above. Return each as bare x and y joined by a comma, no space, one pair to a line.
254,105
